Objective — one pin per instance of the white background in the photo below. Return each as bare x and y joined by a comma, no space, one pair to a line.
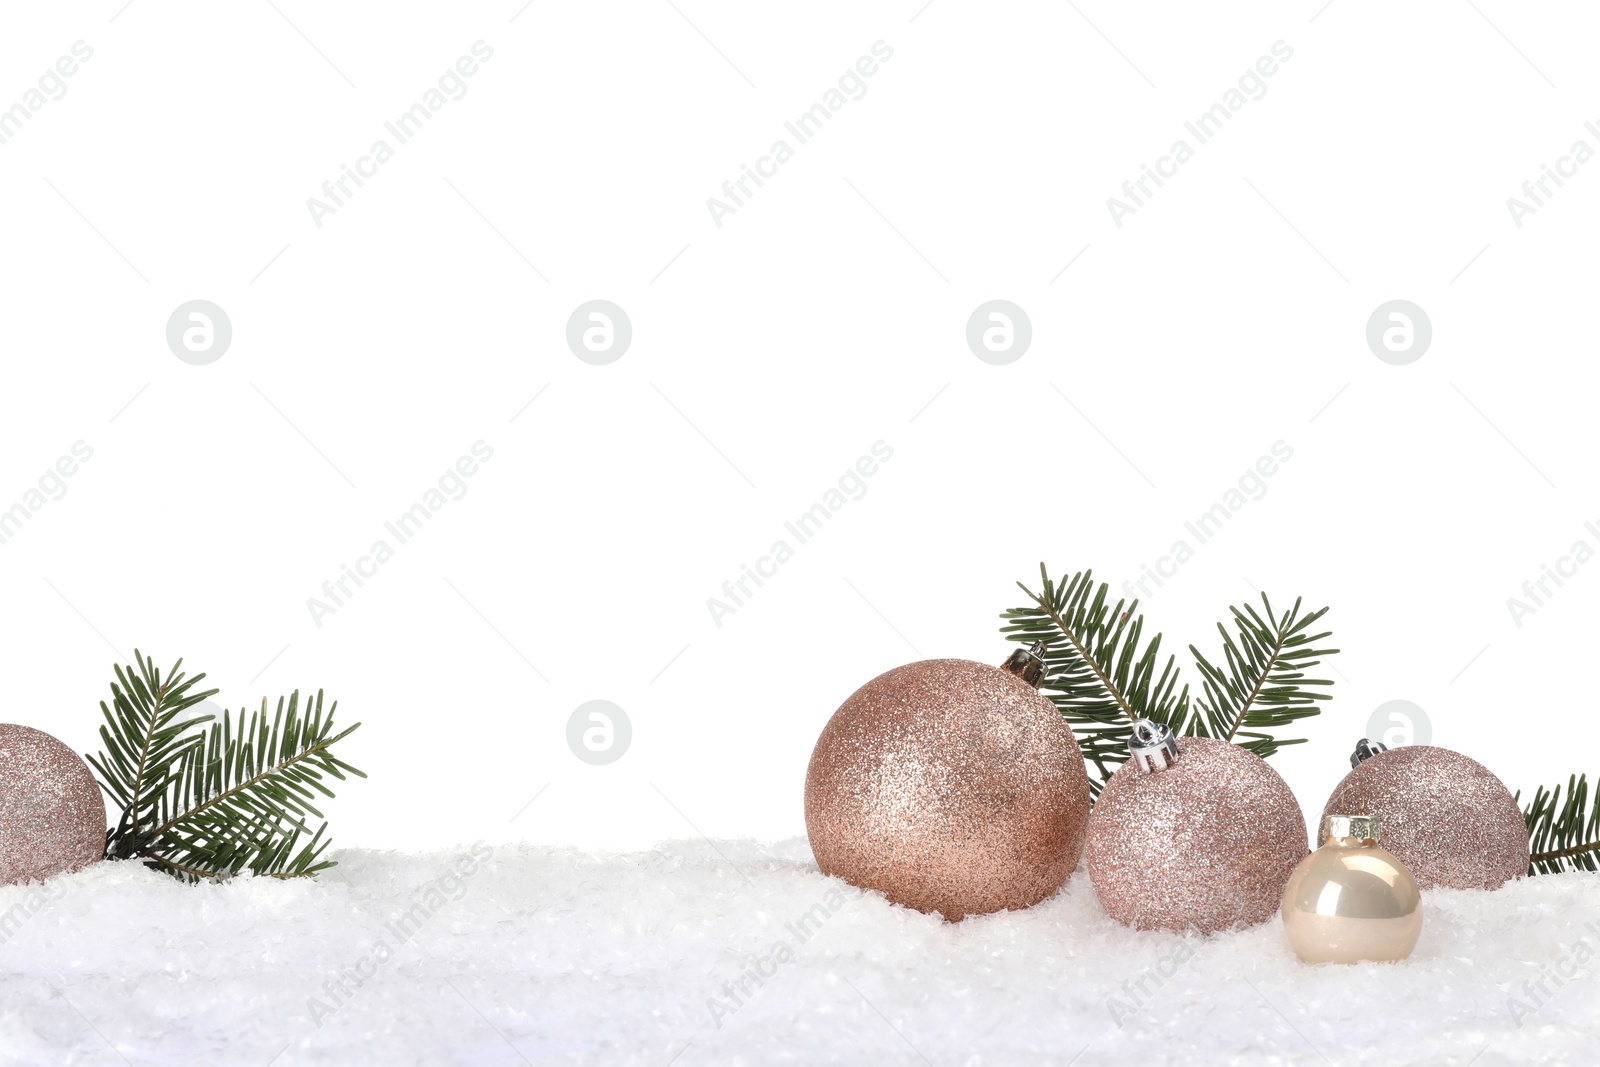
770,353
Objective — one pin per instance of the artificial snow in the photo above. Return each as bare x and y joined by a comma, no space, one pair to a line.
734,952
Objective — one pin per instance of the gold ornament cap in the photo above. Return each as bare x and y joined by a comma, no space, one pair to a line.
1151,746
1364,828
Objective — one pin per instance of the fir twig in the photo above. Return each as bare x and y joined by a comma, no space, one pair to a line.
1562,836
1101,680
143,743
1265,686
1097,675
209,803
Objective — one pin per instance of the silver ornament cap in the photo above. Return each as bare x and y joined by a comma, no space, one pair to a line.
1361,828
1152,747
1365,750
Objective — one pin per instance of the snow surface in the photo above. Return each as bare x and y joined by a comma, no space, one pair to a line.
552,955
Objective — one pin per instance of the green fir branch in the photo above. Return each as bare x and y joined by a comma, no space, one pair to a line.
144,742
1562,836
213,801
1102,679
1097,676
1265,686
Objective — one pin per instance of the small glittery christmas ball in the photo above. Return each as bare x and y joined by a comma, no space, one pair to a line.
1206,843
52,817
1446,817
949,786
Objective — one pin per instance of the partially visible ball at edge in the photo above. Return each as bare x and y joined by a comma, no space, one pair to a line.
52,814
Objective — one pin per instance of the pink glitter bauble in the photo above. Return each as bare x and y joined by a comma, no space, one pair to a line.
52,817
1446,817
1207,843
949,786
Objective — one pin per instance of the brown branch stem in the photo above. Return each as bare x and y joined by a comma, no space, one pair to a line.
1565,853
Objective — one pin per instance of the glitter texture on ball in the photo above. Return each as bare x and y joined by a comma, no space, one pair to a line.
52,817
1208,843
1445,816
950,786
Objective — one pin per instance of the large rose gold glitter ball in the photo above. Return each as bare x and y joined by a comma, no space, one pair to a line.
1446,817
949,786
52,817
1208,843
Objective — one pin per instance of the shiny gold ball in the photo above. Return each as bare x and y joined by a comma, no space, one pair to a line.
1207,843
1350,901
949,786
1446,817
52,817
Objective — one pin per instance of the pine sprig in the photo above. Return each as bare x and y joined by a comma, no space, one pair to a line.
1265,686
1101,680
1563,836
1097,675
243,798
208,802
144,742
